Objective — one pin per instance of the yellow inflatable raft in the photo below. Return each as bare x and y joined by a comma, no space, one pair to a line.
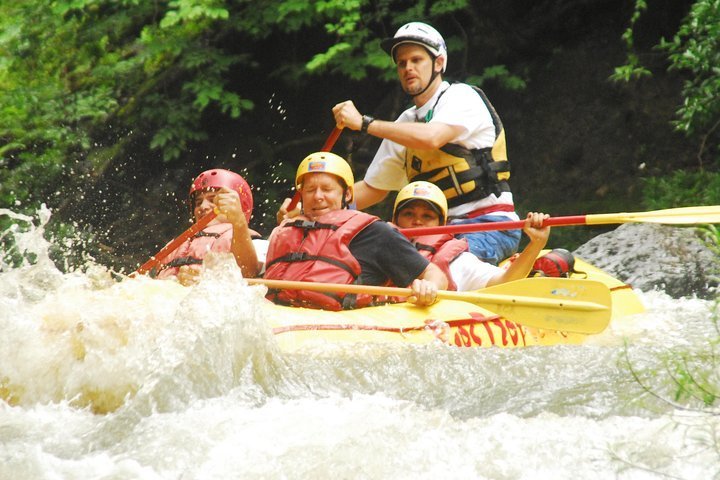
456,322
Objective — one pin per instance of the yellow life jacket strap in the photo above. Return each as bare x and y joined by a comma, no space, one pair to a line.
473,176
484,170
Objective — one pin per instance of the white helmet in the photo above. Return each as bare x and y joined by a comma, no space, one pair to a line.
421,34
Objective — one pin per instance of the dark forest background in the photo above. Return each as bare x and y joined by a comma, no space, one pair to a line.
108,109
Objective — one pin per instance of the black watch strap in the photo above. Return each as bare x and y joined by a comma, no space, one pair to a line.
366,121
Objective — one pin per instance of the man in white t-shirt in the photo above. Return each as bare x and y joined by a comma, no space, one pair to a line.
422,204
452,137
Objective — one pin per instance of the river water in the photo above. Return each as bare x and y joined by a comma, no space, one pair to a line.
102,379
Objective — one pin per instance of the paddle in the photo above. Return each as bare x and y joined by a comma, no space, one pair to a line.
332,138
155,260
672,216
563,304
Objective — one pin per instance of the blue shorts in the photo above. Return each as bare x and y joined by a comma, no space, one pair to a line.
490,246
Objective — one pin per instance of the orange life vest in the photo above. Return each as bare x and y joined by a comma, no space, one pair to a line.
317,251
214,238
441,250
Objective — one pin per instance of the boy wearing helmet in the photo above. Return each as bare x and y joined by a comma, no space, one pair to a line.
452,137
328,243
422,204
229,195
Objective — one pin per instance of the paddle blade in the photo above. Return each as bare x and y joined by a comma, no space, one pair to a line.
672,216
562,304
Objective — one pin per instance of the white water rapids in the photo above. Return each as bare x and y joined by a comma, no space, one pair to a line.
130,380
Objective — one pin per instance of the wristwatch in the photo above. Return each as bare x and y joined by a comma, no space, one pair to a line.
366,121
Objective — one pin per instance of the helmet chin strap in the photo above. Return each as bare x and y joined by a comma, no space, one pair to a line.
433,76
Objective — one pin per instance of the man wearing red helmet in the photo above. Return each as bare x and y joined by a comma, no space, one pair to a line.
229,195
451,137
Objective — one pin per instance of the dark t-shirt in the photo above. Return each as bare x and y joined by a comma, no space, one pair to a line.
384,253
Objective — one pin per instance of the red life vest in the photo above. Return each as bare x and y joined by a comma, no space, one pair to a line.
214,238
441,250
317,251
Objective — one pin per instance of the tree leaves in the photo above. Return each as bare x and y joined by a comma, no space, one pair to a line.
193,12
694,49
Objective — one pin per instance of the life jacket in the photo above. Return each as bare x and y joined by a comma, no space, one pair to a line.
214,238
441,250
463,174
317,251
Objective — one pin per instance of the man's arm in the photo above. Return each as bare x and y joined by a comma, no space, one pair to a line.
434,275
421,136
242,248
244,251
367,196
522,265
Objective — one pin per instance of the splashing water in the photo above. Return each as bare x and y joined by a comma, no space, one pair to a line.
151,380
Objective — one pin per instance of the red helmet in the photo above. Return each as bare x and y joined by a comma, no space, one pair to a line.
217,178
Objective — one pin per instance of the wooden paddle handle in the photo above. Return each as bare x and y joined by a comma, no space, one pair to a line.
473,297
331,287
332,138
156,259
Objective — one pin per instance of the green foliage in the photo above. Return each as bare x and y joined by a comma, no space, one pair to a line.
502,75
11,254
354,52
711,236
438,9
85,83
695,49
690,387
696,375
192,11
68,71
632,70
682,189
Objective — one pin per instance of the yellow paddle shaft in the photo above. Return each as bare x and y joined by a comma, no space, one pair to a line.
676,216
472,297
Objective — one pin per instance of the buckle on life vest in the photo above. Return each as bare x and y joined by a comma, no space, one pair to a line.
296,257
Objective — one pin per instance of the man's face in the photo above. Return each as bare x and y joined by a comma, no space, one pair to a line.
417,214
414,67
204,203
322,193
